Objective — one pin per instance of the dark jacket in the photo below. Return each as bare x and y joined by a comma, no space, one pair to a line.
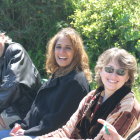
56,101
19,80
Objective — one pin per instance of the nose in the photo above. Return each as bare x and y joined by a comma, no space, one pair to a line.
114,74
62,50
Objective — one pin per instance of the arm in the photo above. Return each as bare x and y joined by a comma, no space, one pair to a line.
9,89
20,77
123,118
121,112
64,106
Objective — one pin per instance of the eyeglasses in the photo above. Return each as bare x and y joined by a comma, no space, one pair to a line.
110,69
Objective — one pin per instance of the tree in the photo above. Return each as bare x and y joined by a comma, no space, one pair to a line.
33,22
108,23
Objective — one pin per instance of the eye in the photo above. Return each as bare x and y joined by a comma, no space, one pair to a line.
68,48
57,47
109,69
121,72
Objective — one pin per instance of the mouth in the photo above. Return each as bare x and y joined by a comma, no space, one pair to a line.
112,81
62,58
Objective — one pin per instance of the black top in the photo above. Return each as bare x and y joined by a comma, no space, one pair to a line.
19,80
56,101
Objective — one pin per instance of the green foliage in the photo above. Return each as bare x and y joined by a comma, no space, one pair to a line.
136,90
33,22
102,24
107,23
136,87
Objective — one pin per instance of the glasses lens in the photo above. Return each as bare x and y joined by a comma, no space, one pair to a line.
120,72
109,69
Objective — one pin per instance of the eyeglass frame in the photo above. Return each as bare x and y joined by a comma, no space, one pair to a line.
117,71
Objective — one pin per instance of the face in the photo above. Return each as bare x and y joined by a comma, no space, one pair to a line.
113,77
1,44
64,51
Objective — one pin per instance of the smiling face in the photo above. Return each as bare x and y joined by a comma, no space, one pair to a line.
112,81
64,51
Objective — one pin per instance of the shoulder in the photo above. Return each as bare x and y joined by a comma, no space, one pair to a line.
14,47
128,101
129,98
76,74
15,50
88,97
130,104
78,77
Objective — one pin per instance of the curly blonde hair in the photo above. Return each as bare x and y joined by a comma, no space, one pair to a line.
123,58
80,60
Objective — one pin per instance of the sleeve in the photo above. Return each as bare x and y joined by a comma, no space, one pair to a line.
123,117
67,103
19,74
9,89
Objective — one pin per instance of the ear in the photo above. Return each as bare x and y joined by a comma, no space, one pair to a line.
100,71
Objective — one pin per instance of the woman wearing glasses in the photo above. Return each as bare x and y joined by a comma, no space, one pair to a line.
112,101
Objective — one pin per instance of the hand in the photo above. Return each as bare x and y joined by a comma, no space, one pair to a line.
17,130
20,132
2,122
110,133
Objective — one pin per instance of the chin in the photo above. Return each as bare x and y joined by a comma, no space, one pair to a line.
62,66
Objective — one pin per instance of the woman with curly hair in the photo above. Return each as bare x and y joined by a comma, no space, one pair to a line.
113,100
59,97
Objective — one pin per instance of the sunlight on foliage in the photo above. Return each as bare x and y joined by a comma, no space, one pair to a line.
107,23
